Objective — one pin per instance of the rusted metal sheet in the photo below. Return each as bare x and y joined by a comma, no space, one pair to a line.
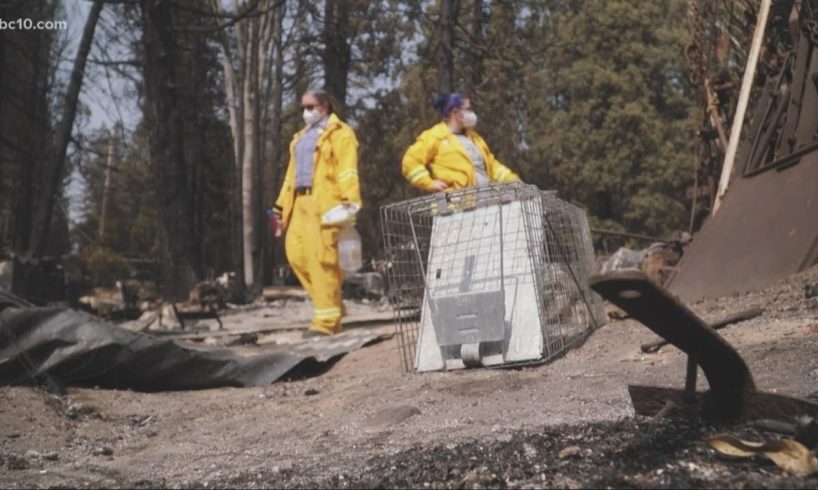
732,394
726,371
767,226
766,229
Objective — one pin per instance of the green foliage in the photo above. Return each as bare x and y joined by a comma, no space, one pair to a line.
130,219
588,97
105,266
383,137
616,117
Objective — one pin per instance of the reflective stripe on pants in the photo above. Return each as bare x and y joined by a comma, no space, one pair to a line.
312,251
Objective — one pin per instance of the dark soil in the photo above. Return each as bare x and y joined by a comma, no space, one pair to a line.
669,453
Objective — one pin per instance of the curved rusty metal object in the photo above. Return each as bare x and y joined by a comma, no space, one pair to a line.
727,373
732,394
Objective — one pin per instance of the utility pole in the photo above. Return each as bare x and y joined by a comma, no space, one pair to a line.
106,190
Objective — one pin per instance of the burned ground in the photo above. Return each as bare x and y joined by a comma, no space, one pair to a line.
364,424
622,454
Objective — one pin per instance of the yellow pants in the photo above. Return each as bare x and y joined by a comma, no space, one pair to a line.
312,251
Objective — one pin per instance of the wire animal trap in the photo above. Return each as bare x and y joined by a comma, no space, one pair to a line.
488,276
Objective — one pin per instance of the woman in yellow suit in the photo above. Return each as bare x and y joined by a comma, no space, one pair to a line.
322,173
451,155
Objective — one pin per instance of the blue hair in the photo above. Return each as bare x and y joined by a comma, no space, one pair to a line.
446,103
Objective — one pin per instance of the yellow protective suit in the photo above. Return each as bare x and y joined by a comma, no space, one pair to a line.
312,248
437,155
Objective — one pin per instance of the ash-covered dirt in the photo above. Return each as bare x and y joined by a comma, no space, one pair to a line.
364,424
623,454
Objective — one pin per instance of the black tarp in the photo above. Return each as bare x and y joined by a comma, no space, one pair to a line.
71,348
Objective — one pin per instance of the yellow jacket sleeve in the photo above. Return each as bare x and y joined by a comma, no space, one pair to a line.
286,193
501,173
345,148
414,163
496,170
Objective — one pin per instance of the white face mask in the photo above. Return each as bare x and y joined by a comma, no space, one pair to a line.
469,119
312,116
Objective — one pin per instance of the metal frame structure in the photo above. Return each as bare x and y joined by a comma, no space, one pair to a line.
493,275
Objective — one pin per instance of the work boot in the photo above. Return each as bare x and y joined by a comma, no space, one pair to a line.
319,332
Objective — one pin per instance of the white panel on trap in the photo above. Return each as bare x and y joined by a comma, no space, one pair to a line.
465,256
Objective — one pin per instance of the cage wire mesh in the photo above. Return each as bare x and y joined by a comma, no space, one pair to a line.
496,273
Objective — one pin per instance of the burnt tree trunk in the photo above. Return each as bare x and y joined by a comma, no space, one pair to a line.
250,158
53,171
444,54
232,82
276,153
192,81
337,53
247,94
478,32
164,116
31,140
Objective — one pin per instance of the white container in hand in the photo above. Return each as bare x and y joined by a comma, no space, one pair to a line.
349,249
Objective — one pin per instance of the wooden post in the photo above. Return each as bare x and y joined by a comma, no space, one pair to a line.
743,99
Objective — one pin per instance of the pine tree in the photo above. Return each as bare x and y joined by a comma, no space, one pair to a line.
616,117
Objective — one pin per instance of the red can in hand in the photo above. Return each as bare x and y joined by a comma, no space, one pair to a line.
275,223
